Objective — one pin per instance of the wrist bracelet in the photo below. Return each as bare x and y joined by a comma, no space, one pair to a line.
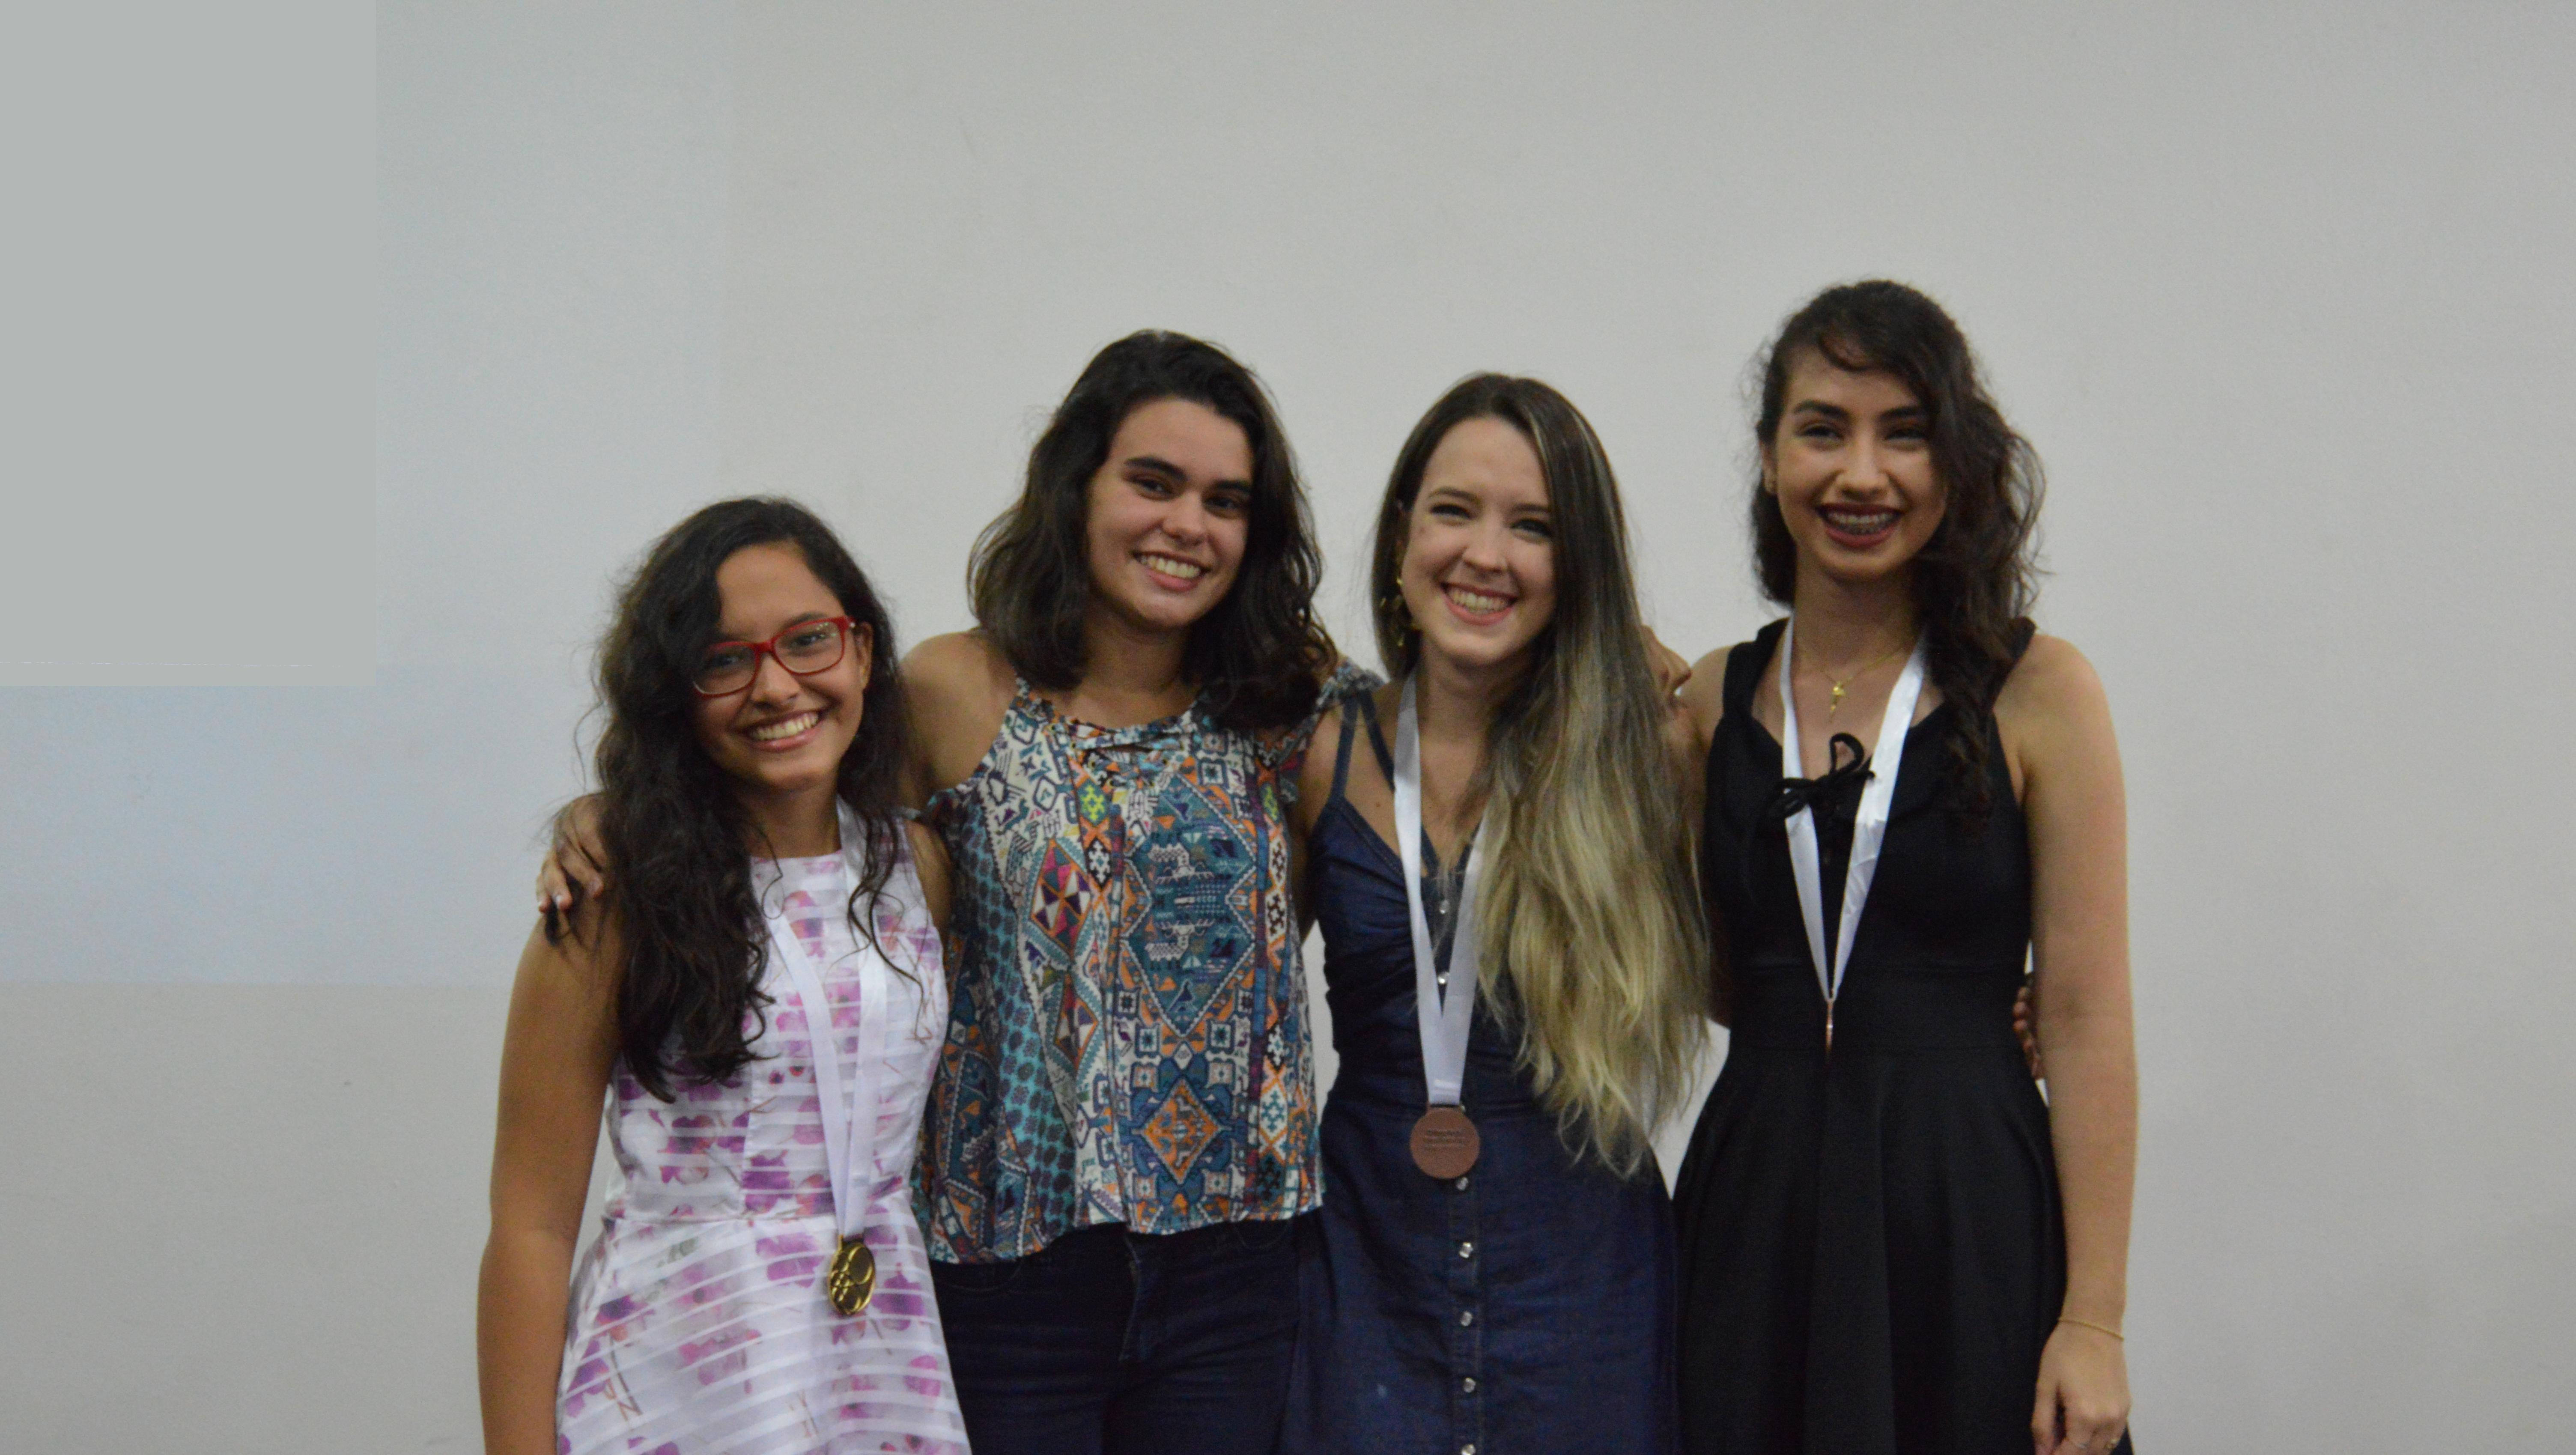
2089,1324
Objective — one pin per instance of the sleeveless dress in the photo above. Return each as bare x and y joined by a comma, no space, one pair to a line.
699,1321
1871,1248
1523,1309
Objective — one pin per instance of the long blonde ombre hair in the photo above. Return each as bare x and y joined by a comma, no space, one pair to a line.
1594,948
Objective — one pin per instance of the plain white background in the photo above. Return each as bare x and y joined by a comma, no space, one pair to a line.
2281,293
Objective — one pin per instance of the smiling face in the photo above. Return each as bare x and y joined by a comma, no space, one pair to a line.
1851,470
1165,520
1479,568
782,737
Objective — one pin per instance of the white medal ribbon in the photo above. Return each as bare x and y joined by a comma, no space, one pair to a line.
849,1104
1443,1018
1869,829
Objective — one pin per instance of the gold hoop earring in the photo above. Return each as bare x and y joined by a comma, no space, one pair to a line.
1393,605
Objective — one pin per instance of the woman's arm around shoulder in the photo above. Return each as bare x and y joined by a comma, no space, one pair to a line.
1699,705
2056,723
1697,708
555,1060
957,688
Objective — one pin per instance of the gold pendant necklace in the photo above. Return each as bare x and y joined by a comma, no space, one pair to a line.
1839,686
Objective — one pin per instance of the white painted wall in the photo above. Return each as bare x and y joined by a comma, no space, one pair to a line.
2280,292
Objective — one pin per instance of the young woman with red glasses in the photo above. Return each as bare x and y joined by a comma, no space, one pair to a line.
762,989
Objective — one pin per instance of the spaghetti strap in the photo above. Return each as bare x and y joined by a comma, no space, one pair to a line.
1357,708
1377,737
1744,668
1342,759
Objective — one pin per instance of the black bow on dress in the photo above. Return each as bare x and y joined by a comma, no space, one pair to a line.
1798,793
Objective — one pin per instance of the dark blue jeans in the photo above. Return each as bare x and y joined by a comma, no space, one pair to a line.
1107,1342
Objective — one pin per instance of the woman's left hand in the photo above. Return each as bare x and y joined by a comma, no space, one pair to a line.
2083,1403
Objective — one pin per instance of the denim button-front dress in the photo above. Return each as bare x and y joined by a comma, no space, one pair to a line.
1526,1307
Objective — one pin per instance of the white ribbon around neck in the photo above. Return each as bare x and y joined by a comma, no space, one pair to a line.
1444,1018
849,1104
1869,829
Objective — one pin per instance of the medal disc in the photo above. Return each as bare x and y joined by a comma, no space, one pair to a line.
853,1279
1445,1142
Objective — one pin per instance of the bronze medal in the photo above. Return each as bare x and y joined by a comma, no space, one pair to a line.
1445,1143
853,1279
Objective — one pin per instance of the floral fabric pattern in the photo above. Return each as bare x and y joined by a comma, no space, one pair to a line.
1127,1040
699,1320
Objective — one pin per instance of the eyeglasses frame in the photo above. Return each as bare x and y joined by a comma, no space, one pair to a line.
849,632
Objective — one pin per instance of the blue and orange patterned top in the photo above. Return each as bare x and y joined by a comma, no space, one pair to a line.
1127,1036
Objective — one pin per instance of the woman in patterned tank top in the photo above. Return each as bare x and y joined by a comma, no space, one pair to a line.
1124,1124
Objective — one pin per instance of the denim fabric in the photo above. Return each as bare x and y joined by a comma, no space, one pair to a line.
1523,1309
1109,1342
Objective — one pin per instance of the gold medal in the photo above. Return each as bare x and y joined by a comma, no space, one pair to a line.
853,1279
1445,1143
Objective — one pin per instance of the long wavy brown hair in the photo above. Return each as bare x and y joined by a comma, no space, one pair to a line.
1974,581
689,1003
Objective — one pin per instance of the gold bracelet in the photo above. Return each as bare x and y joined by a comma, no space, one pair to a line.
2089,1324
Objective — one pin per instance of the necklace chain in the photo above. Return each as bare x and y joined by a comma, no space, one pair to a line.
1841,685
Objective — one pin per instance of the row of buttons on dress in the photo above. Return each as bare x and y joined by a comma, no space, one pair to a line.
1466,1318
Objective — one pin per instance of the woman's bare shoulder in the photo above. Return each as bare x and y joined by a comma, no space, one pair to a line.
958,689
2052,682
961,667
1703,697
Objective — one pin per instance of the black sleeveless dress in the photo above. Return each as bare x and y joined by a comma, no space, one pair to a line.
1871,1250
1523,1309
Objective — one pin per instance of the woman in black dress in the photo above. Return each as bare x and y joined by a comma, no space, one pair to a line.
1519,1303
1889,1242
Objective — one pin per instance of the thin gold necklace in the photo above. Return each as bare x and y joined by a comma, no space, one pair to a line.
1842,684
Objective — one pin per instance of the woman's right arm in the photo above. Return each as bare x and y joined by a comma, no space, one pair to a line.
555,1060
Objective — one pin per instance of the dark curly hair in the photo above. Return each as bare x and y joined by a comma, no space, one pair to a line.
1974,581
1259,655
689,1003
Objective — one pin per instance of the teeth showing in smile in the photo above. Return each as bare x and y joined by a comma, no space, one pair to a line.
1478,602
785,727
1173,566
1860,522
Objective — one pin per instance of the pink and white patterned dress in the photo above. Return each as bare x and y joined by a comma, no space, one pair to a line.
698,1318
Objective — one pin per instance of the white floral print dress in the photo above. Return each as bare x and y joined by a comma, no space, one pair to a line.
698,1320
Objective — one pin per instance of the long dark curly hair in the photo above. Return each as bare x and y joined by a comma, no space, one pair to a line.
1974,581
689,1004
1259,656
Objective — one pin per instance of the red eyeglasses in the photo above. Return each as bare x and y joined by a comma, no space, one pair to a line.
806,648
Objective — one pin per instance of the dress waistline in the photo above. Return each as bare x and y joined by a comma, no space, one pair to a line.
1950,1008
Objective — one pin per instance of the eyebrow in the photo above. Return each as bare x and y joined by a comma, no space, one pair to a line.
1155,463
1161,466
1837,412
1435,492
793,622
